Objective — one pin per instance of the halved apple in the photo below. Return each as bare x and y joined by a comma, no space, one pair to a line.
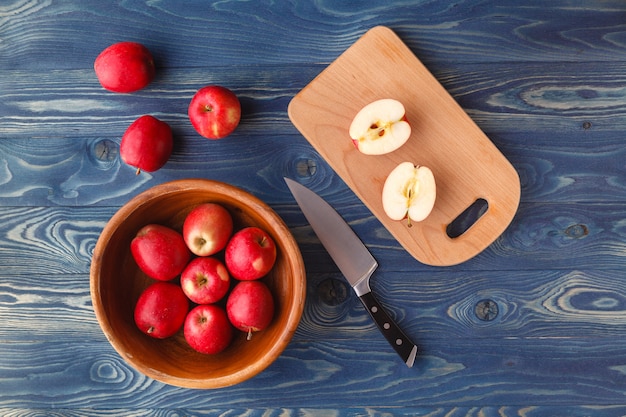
409,192
380,127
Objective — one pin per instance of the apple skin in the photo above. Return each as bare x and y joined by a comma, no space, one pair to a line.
160,252
207,329
409,192
125,67
147,144
250,306
380,127
207,228
205,280
250,254
161,310
214,111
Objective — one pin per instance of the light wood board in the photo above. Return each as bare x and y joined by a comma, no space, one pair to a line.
466,164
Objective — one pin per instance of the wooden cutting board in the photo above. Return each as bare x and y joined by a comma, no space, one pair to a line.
465,163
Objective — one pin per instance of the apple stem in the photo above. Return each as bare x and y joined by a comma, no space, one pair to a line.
249,334
408,222
138,171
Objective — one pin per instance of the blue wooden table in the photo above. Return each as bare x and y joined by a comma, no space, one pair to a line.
533,326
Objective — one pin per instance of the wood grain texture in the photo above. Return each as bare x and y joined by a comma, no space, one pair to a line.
528,97
556,236
533,326
557,375
76,164
503,411
232,32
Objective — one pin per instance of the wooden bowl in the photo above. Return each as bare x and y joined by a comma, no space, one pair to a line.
116,283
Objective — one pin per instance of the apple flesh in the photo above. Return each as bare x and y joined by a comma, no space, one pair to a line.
147,144
250,254
250,307
380,127
161,310
160,252
124,67
409,192
207,228
205,280
214,111
207,329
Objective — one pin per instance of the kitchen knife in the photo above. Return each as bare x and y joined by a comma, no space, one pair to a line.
354,261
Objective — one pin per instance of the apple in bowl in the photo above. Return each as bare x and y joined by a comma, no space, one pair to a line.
161,310
205,280
250,307
250,254
207,229
207,329
160,252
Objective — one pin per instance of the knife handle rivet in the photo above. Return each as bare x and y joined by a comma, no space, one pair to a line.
386,326
398,342
374,309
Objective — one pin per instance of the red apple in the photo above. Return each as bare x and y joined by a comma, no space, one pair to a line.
207,329
207,228
409,192
161,310
205,280
214,111
380,127
125,67
250,254
147,144
160,252
250,306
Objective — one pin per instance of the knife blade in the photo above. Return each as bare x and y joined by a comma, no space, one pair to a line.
354,260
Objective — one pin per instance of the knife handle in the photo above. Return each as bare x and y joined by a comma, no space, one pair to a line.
394,335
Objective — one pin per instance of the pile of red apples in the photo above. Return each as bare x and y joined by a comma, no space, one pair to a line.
193,289
126,67
208,279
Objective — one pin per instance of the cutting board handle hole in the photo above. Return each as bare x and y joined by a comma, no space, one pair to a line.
467,218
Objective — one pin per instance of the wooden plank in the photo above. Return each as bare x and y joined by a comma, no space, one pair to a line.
230,33
68,171
467,373
412,411
430,306
557,236
564,158
71,103
526,97
72,172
